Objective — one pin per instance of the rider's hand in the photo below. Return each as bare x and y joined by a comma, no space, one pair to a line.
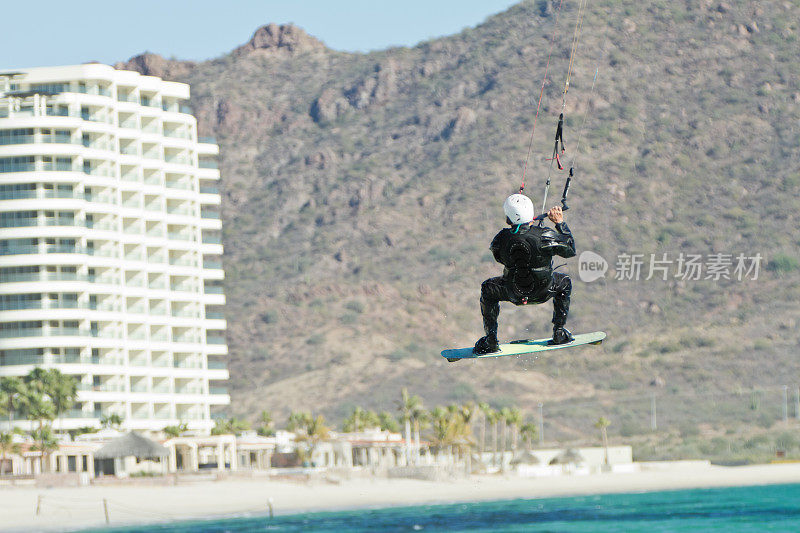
556,215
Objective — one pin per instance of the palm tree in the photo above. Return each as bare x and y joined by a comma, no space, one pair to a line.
529,432
176,431
313,432
467,441
407,406
484,407
298,420
370,420
355,422
266,428
63,392
45,442
11,390
7,445
420,420
112,421
505,413
441,425
514,419
231,426
602,424
387,422
493,418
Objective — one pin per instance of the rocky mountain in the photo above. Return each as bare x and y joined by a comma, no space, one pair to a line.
360,192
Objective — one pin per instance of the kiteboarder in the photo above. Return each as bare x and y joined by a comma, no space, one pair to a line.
526,251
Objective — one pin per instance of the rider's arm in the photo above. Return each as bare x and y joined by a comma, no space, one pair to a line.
559,242
495,246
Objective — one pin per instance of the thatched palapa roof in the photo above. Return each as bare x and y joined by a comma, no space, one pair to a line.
525,458
129,445
568,457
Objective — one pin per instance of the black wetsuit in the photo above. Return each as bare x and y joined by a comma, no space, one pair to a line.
528,278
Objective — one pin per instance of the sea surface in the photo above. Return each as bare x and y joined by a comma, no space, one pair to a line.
760,508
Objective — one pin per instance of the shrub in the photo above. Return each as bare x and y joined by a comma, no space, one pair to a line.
316,339
355,306
783,263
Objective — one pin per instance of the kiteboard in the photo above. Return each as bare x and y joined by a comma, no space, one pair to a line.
524,347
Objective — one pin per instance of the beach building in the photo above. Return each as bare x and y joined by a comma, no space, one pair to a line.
110,245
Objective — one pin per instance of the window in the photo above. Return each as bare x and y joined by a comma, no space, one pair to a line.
58,111
15,191
60,87
17,219
16,136
20,301
25,356
17,164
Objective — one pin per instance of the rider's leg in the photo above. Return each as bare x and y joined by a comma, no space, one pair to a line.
561,290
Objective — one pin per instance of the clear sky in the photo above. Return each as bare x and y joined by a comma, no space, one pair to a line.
61,32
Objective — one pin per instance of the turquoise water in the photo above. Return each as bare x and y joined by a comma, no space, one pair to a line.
763,508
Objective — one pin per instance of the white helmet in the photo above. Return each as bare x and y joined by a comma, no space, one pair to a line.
518,208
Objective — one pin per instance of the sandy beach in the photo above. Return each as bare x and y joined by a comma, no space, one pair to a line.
65,509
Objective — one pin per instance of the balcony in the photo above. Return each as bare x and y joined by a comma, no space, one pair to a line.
177,134
41,304
127,97
18,222
61,222
11,360
218,390
18,195
179,236
179,185
216,365
107,226
131,176
179,262
185,314
180,211
215,340
102,387
215,316
188,364
178,160
207,140
209,190
134,203
45,276
19,250
210,214
77,413
189,390
206,163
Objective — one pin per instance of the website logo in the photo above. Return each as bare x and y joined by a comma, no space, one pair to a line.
591,266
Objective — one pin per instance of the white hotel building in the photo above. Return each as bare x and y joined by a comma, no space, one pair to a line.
110,244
